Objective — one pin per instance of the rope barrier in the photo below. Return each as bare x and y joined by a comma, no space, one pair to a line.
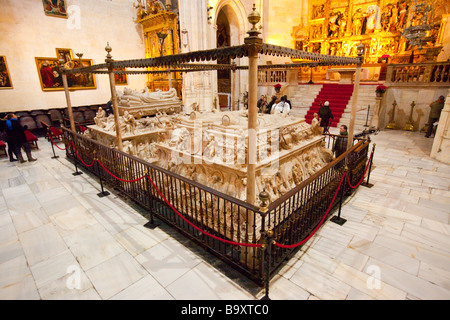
123,180
75,149
205,232
318,226
57,145
197,228
364,174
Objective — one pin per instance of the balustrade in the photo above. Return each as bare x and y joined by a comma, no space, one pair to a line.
419,73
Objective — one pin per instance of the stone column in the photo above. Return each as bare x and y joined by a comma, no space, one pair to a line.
253,44
441,141
112,84
351,128
69,104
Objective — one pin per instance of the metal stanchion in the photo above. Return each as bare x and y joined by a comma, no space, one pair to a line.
152,224
337,219
367,117
76,173
51,142
103,193
367,184
267,256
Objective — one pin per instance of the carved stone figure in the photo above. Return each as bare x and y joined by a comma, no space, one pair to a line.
100,118
129,123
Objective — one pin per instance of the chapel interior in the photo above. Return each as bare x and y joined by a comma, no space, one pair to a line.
178,77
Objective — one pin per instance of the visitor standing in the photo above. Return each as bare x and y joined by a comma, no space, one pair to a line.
325,115
340,145
16,135
435,113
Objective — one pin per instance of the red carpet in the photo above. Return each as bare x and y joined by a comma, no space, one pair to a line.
337,94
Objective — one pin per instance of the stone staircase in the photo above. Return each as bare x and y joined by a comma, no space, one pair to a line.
366,97
302,97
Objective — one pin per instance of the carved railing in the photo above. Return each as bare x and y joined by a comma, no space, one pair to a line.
429,73
272,76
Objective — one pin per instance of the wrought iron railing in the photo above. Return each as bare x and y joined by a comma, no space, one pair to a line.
232,229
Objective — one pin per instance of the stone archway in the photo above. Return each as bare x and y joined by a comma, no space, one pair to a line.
230,24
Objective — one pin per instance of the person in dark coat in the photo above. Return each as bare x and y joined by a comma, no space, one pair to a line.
16,135
4,137
340,145
325,115
271,103
435,112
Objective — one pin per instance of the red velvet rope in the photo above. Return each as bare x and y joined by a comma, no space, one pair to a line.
207,233
362,178
197,228
318,226
123,180
57,145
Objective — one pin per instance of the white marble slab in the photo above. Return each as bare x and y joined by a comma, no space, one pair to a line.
33,218
92,245
115,274
168,261
137,239
209,284
41,243
319,283
422,289
145,289
282,289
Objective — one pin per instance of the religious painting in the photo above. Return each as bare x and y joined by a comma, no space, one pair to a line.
55,8
5,79
66,55
51,78
121,78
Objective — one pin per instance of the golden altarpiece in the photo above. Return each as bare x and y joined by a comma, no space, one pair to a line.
161,34
336,27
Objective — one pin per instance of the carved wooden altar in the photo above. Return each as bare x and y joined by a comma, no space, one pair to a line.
161,34
336,27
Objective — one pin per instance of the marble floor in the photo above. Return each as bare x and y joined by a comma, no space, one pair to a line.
59,240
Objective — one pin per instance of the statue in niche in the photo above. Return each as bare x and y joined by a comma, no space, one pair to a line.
140,9
358,18
403,9
386,16
318,11
371,19
342,24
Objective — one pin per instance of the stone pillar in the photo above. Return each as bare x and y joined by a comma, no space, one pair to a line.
112,84
351,128
441,143
69,104
253,44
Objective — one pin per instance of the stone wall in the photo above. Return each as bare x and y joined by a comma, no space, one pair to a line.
26,33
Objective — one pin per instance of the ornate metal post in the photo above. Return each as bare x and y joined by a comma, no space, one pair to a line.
112,83
253,45
351,128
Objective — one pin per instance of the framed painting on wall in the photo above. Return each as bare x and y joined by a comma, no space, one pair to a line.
5,79
121,78
55,8
51,78
66,55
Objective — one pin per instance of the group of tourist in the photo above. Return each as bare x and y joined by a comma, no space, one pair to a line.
13,133
284,106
